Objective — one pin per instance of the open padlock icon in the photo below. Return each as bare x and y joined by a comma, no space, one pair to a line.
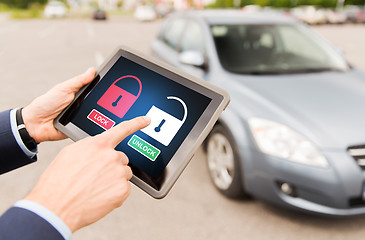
163,126
117,100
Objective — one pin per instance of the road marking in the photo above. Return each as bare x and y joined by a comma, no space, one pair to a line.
99,59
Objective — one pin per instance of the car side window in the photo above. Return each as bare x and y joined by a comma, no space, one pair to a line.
193,38
172,32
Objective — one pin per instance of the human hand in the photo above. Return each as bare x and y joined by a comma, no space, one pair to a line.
88,179
38,116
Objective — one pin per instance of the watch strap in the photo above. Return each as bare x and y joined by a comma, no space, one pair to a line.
28,141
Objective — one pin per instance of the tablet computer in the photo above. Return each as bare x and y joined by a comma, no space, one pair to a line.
182,108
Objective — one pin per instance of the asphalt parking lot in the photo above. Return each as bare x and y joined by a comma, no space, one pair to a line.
37,54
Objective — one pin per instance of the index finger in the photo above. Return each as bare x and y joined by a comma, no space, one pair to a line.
116,134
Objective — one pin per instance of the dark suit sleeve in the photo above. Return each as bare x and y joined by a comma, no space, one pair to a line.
21,224
11,155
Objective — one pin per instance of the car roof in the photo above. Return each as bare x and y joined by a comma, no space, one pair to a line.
213,17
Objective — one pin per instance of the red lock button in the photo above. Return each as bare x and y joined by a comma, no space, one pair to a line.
100,119
117,100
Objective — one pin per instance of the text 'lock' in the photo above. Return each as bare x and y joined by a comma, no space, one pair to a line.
164,126
117,100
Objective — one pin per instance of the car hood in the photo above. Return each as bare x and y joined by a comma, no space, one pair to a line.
328,108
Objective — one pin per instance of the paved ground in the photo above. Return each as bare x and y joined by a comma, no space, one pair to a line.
36,54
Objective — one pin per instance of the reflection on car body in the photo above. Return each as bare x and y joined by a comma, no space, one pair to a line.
294,133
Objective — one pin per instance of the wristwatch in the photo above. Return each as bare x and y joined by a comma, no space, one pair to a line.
28,141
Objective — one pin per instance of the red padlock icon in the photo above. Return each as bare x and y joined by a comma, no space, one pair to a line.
117,100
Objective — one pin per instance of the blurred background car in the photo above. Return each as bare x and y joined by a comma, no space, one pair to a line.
293,134
99,14
355,14
145,13
310,15
335,17
55,9
163,9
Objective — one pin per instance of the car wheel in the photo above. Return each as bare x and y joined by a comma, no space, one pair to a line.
223,163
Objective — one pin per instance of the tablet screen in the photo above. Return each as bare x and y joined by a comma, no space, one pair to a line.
128,90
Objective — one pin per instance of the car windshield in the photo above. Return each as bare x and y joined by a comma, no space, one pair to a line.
274,49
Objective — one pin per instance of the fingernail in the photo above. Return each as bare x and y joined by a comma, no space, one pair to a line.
89,69
147,119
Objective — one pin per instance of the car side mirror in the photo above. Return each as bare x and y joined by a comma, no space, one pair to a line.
193,58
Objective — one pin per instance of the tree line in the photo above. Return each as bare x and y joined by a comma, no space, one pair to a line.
22,3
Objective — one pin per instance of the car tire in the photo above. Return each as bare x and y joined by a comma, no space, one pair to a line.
223,163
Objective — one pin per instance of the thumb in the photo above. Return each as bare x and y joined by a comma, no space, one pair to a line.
116,134
74,84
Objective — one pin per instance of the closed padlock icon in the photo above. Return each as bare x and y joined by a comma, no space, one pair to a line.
163,126
117,100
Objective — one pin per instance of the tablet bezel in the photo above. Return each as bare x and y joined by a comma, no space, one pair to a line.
219,101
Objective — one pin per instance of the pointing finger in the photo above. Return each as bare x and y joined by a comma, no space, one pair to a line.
116,134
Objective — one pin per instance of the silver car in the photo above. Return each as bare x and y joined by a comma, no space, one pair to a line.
294,133
55,9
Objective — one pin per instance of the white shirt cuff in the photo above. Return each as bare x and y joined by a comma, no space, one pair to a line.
47,215
14,129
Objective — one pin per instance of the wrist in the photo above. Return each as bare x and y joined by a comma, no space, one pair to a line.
29,124
25,136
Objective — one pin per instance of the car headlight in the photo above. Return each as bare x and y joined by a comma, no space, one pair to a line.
279,140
